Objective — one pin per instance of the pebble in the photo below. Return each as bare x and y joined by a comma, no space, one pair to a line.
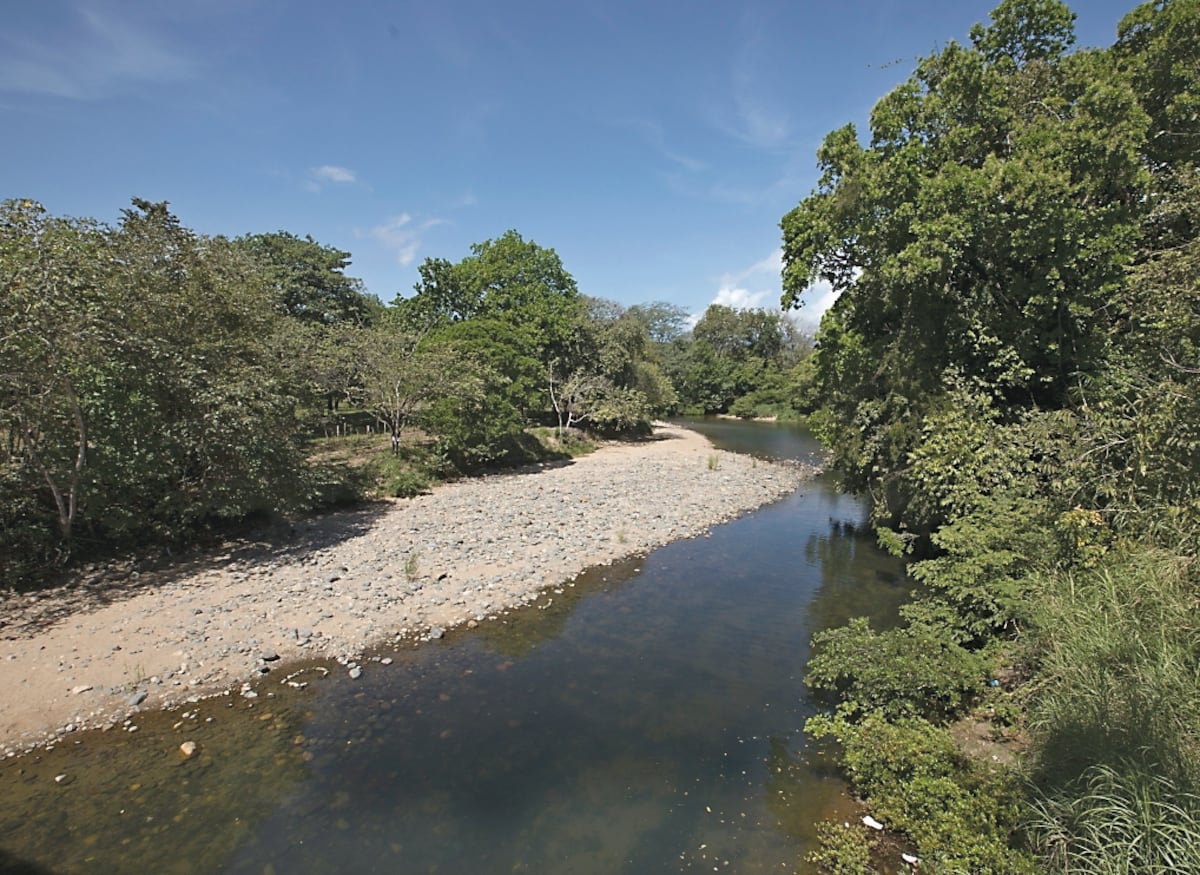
483,546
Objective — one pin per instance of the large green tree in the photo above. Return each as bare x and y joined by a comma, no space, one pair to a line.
978,239
510,282
308,279
139,394
54,326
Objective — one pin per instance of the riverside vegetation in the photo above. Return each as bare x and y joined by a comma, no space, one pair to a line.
158,386
1010,372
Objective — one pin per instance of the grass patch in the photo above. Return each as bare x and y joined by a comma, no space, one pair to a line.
354,467
570,444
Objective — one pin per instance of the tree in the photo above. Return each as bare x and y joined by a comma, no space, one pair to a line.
978,240
198,423
515,285
138,392
52,297
308,279
664,322
402,376
575,398
442,297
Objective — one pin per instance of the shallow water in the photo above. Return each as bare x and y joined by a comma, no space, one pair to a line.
644,719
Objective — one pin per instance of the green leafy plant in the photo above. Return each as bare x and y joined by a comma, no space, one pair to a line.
412,565
915,670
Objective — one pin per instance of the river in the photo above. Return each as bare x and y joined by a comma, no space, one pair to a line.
645,718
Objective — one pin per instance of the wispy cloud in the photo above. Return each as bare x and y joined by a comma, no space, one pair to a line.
746,110
652,134
401,235
332,173
93,56
757,122
318,177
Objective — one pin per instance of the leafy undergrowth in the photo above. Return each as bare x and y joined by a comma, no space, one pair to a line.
364,466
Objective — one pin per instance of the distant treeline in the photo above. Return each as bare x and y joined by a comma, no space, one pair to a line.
1012,373
157,384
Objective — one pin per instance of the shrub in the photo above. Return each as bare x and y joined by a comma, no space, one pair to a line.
915,670
960,817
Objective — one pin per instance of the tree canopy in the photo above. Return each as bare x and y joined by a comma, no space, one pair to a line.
1011,372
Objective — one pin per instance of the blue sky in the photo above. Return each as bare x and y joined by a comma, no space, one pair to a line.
654,145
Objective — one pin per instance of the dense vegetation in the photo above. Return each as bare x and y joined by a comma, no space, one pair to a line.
157,385
1010,372
745,363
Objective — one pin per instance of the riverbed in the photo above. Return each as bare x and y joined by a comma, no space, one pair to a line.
643,717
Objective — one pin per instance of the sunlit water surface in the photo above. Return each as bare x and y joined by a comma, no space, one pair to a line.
645,719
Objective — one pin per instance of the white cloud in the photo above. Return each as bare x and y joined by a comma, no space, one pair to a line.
332,173
401,235
328,174
753,286
740,299
759,285
92,57
816,299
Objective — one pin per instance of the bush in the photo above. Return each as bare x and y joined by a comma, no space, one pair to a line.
915,670
961,818
843,849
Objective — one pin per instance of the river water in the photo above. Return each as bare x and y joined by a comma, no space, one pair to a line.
645,718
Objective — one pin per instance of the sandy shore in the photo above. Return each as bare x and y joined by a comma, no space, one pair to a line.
89,654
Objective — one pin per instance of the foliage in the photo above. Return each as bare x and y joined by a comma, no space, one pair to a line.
960,816
513,304
139,398
842,849
1010,372
739,357
917,669
397,475
155,382
980,584
308,279
1118,819
1141,448
510,280
977,239
402,378
663,321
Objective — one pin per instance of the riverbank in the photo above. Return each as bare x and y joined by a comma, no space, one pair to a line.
406,569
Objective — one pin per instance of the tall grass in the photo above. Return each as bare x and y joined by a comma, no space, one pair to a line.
1119,822
1116,718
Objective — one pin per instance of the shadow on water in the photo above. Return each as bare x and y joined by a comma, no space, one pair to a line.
644,718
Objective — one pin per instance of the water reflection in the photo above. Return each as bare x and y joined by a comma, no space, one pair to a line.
645,719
